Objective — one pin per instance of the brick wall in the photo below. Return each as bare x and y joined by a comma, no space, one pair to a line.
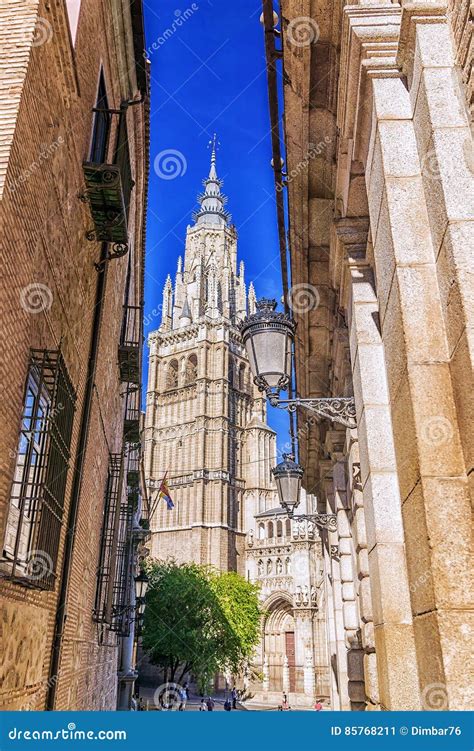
44,139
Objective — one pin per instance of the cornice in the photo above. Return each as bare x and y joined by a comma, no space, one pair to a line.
426,12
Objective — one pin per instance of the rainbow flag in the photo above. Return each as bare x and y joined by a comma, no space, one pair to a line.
165,493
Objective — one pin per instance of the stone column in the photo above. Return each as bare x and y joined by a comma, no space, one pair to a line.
431,469
335,440
393,627
364,588
337,597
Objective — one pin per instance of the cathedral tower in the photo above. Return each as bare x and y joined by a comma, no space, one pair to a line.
205,422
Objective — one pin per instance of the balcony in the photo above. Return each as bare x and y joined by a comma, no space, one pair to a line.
109,186
131,424
129,350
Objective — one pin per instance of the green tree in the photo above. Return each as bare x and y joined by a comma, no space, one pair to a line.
199,620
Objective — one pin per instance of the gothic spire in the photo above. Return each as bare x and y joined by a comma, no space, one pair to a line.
212,201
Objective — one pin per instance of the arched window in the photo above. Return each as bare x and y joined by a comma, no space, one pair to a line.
190,372
261,531
288,527
279,529
270,529
172,375
231,372
242,377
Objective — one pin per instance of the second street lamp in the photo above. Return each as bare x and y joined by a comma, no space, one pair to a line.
268,337
288,476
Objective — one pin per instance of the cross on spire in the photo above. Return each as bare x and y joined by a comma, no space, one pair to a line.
214,145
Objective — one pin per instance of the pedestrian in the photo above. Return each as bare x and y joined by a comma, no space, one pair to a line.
284,705
183,697
210,704
318,706
227,705
235,696
203,706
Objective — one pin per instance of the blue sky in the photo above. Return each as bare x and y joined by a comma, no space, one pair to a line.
208,75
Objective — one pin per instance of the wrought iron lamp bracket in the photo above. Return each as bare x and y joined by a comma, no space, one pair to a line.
336,409
323,521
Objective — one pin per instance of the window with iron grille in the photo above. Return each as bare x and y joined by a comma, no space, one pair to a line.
115,565
38,488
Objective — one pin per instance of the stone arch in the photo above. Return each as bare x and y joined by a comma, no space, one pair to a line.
190,371
172,371
278,621
261,531
279,528
288,527
270,529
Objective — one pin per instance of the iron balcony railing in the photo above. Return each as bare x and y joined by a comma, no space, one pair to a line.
109,183
131,424
129,351
114,575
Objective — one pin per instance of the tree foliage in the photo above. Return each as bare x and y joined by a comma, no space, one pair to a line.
199,620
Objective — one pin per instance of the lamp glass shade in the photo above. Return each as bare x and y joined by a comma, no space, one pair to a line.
141,606
141,585
268,338
288,477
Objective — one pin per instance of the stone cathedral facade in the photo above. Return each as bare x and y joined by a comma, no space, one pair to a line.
206,430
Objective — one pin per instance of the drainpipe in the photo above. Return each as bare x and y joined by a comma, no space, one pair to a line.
61,610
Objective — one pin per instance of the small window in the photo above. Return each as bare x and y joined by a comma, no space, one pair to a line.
270,529
37,493
279,529
101,125
261,531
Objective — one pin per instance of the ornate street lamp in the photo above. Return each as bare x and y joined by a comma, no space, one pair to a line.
268,337
141,586
288,476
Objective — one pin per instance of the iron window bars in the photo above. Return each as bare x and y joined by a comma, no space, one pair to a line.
39,483
114,574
